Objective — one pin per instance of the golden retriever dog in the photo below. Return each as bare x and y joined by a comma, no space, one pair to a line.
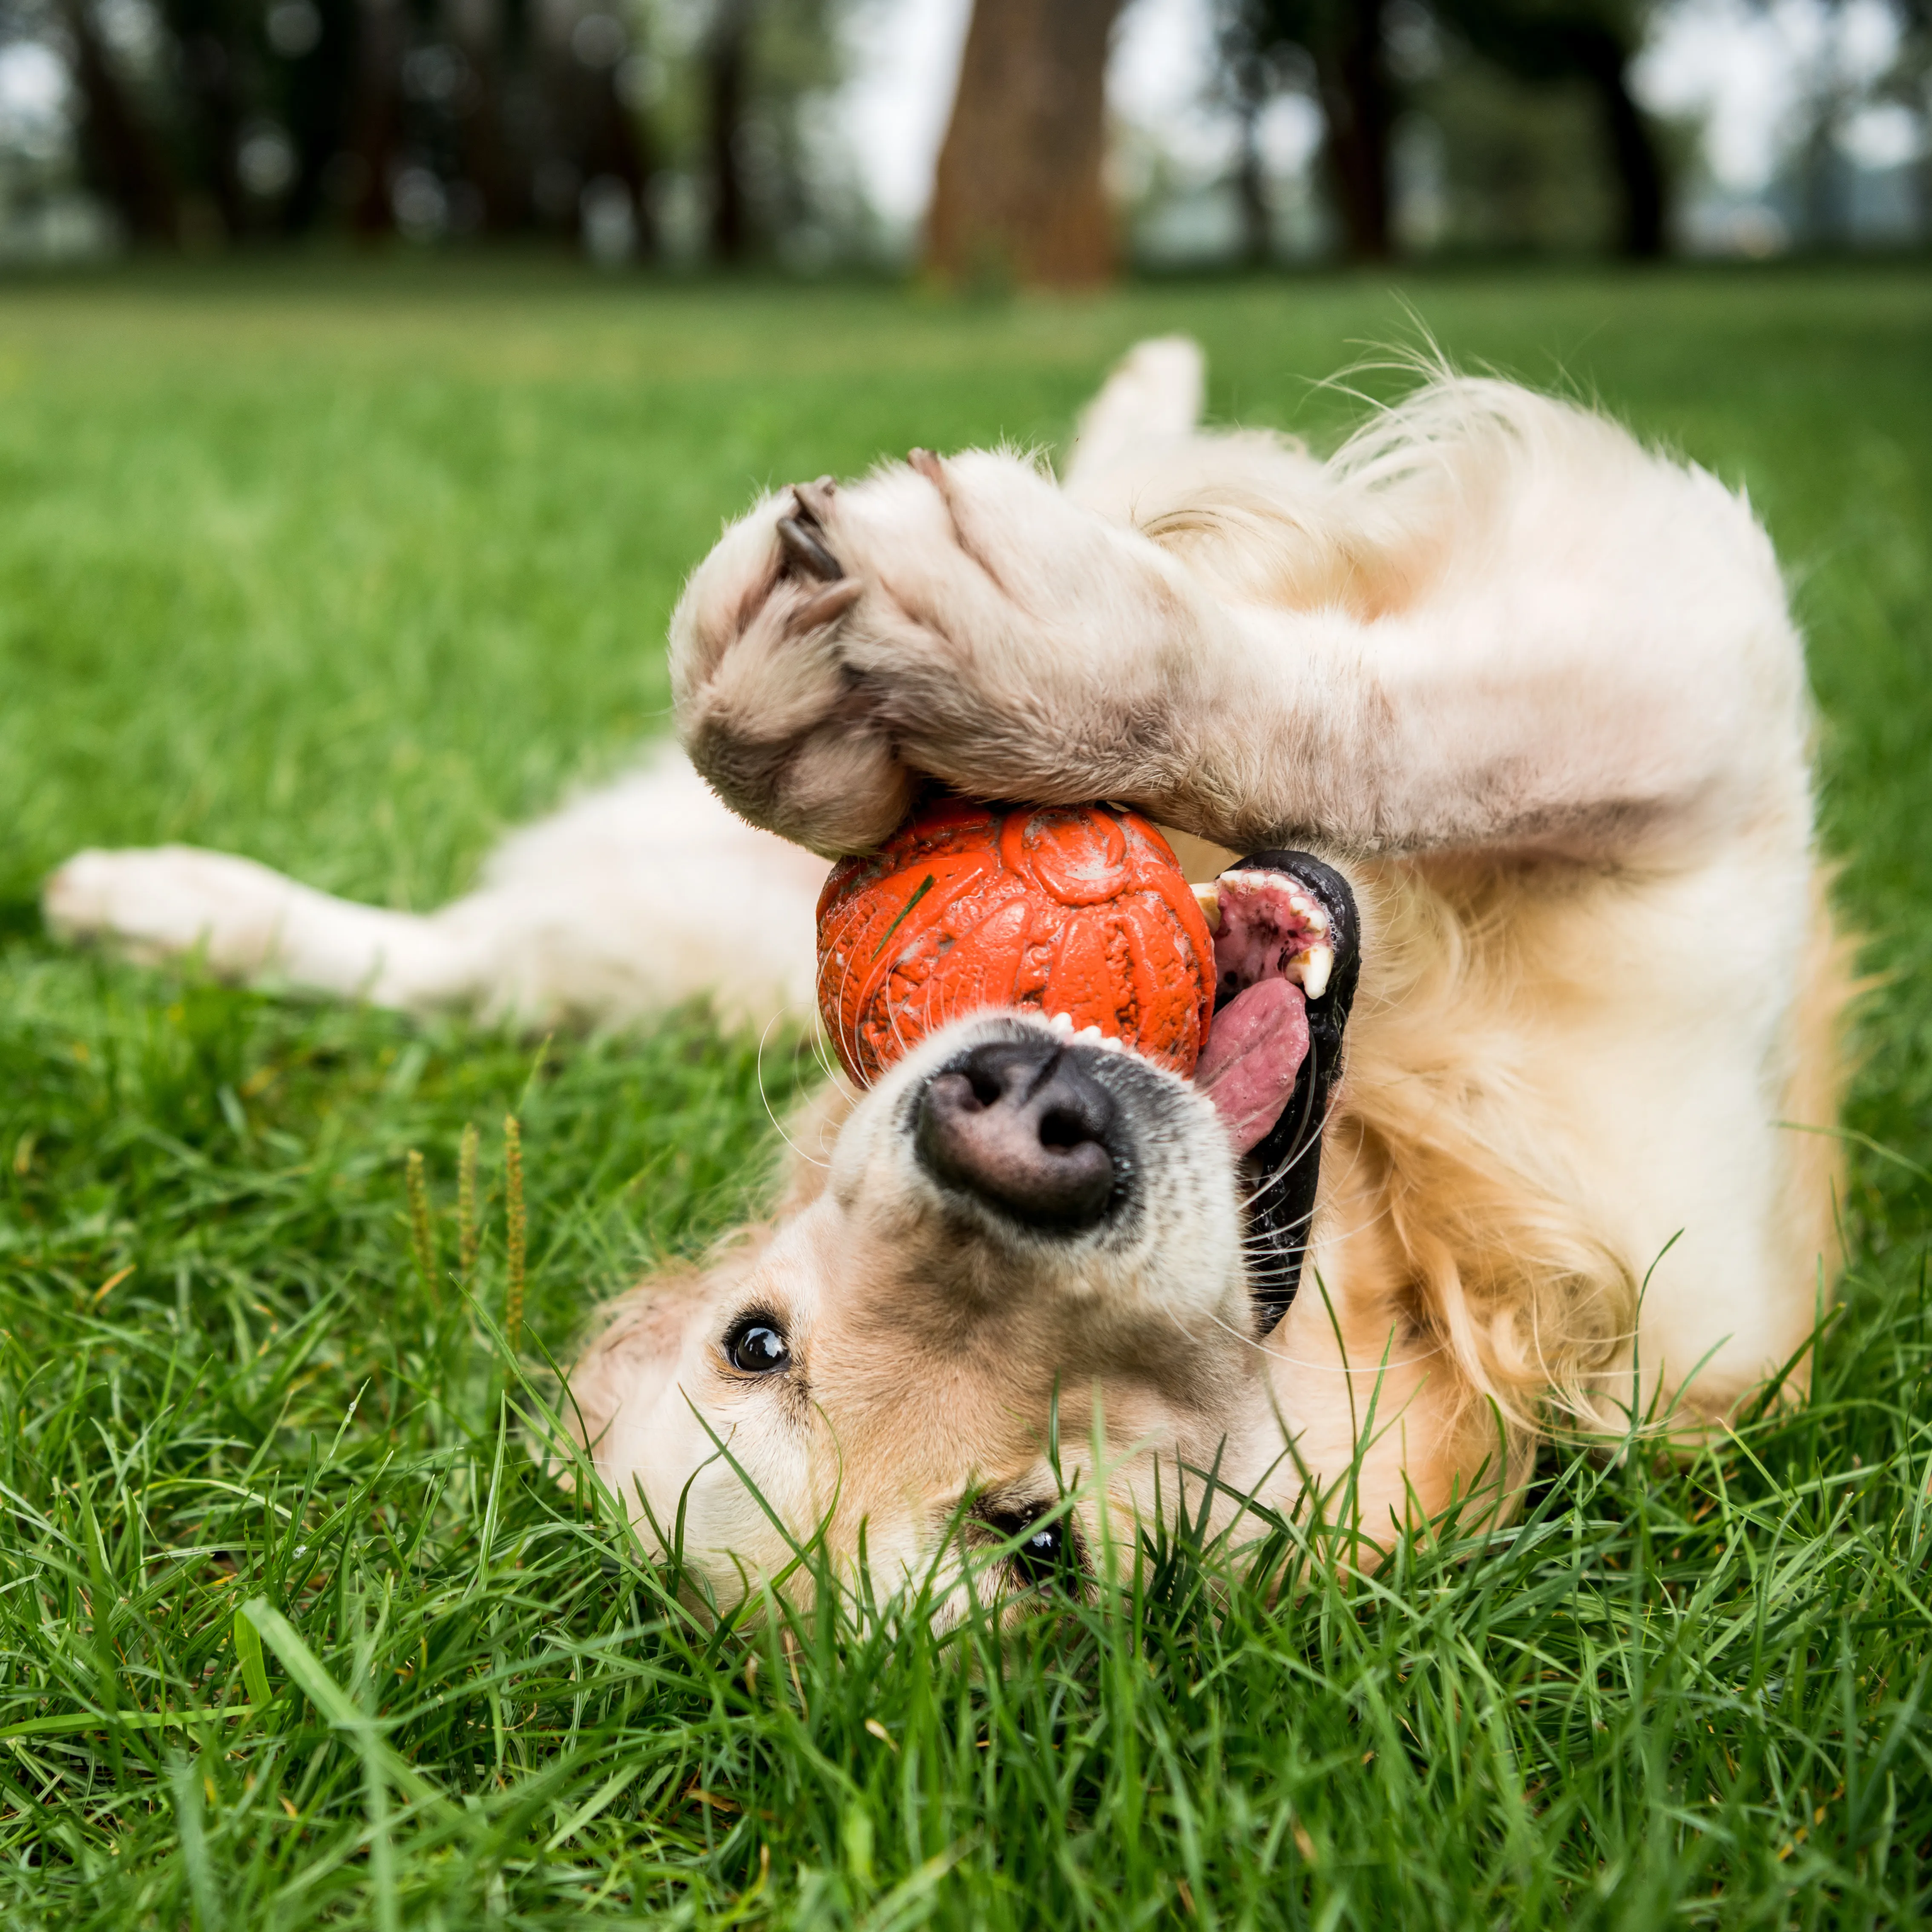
1493,729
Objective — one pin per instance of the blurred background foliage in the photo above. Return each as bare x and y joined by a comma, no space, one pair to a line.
671,127
720,133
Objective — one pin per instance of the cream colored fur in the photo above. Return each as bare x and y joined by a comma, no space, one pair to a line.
1536,689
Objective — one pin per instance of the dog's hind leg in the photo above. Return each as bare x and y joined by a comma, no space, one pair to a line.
633,899
251,923
1154,395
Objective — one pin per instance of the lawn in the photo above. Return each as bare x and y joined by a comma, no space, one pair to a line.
350,570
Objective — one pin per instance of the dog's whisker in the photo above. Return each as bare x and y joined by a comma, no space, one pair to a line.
849,1037
1345,1234
849,1032
765,1099
822,1052
1312,1145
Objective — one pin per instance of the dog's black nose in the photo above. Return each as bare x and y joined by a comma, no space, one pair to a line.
1022,1125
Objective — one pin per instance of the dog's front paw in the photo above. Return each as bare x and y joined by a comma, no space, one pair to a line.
957,620
160,903
768,710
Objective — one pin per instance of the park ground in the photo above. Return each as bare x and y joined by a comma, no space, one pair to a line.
349,570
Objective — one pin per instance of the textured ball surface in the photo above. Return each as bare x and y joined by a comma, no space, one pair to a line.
1079,909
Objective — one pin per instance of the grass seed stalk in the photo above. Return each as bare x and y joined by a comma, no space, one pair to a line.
422,1227
514,1232
467,1231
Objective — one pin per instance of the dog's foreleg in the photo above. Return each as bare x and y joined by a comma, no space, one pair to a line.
1553,639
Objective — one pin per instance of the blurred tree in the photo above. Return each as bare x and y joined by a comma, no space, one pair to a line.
122,158
735,114
1019,191
371,170
595,135
1347,41
1494,164
229,121
727,55
1337,49
486,38
1909,84
1340,50
1249,78
1592,41
216,57
1821,173
314,46
244,119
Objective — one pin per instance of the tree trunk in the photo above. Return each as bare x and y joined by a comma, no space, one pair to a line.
1251,191
1540,43
727,55
213,89
478,29
1634,155
1019,192
124,158
377,117
1358,111
321,86
613,150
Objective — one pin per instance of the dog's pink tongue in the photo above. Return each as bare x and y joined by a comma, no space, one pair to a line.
1255,1049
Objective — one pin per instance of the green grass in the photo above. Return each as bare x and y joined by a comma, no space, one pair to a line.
350,573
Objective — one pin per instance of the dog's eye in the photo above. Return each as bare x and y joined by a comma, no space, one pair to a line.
1040,1557
756,1344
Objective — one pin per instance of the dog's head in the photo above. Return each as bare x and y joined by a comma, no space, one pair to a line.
1034,1257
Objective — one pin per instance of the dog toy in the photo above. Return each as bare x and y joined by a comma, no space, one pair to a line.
1078,912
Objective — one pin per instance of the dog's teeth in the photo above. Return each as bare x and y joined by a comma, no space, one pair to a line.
1062,1023
1112,1045
1308,909
1310,970
1089,1034
1208,898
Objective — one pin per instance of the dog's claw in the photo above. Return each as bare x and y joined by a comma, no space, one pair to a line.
927,465
799,538
813,500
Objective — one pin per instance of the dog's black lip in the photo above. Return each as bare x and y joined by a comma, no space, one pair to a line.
1281,1172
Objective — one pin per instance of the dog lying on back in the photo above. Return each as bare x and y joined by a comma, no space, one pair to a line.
1534,691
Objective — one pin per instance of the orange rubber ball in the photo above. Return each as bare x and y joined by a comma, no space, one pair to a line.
1079,909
